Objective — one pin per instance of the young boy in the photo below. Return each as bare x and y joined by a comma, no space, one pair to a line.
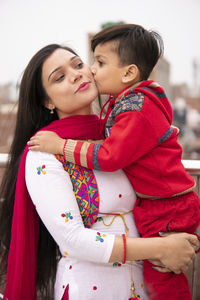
140,139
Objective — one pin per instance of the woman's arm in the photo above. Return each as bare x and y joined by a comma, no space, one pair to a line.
51,191
175,251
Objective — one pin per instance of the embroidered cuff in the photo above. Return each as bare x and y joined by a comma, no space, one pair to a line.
76,152
69,149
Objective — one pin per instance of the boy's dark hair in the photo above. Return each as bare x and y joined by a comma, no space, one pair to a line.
134,45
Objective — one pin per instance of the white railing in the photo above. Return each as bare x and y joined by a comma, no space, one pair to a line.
3,159
193,167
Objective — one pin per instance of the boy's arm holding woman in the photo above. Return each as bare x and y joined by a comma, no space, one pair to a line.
125,145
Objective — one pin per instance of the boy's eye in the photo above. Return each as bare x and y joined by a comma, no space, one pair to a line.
100,63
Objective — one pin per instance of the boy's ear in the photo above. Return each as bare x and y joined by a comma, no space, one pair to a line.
131,74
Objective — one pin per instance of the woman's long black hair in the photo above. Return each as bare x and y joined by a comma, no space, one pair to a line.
32,115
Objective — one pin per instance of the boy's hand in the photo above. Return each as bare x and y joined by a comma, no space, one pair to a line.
46,141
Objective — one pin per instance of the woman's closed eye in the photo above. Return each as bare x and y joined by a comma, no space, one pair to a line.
80,65
60,78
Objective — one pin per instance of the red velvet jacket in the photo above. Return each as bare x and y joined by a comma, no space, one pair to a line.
142,141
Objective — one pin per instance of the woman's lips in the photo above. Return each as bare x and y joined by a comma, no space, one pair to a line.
84,86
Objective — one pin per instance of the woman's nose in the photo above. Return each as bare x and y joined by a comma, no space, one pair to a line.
76,75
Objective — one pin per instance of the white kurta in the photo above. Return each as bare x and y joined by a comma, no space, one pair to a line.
85,252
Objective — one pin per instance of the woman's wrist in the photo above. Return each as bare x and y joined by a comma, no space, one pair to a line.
138,248
144,248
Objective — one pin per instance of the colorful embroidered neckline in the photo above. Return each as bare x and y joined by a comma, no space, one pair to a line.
85,189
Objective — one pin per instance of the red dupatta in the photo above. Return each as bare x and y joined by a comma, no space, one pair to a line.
22,259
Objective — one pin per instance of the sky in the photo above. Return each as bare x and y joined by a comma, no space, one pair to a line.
28,25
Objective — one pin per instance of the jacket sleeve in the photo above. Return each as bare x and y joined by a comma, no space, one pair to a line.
131,137
51,191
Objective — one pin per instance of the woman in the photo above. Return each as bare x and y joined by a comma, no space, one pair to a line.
56,85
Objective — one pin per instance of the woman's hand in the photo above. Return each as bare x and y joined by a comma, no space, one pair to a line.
178,252
46,141
157,266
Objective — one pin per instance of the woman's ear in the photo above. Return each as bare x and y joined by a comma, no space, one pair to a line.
49,105
131,74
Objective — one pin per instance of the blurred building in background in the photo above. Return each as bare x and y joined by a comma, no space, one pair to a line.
8,109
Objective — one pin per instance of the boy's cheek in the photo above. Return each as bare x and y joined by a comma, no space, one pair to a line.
100,88
96,82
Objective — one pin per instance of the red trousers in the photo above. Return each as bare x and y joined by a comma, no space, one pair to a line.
181,213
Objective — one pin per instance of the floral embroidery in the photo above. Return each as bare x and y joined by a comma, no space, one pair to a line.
99,237
41,170
116,264
66,253
135,298
67,216
99,219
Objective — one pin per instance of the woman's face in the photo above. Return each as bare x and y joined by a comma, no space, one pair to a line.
68,83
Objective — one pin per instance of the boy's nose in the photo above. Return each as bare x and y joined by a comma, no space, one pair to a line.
93,70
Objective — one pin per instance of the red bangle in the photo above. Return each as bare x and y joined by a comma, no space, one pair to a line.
64,150
124,241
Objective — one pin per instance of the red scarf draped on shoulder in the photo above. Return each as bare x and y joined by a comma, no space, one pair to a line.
22,259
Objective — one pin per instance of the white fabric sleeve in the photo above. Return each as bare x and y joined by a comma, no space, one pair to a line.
51,191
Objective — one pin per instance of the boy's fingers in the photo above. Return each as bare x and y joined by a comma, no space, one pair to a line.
35,136
34,148
33,142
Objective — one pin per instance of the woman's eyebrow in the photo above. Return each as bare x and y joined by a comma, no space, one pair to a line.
58,68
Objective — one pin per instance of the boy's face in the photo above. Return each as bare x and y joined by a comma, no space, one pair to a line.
107,70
